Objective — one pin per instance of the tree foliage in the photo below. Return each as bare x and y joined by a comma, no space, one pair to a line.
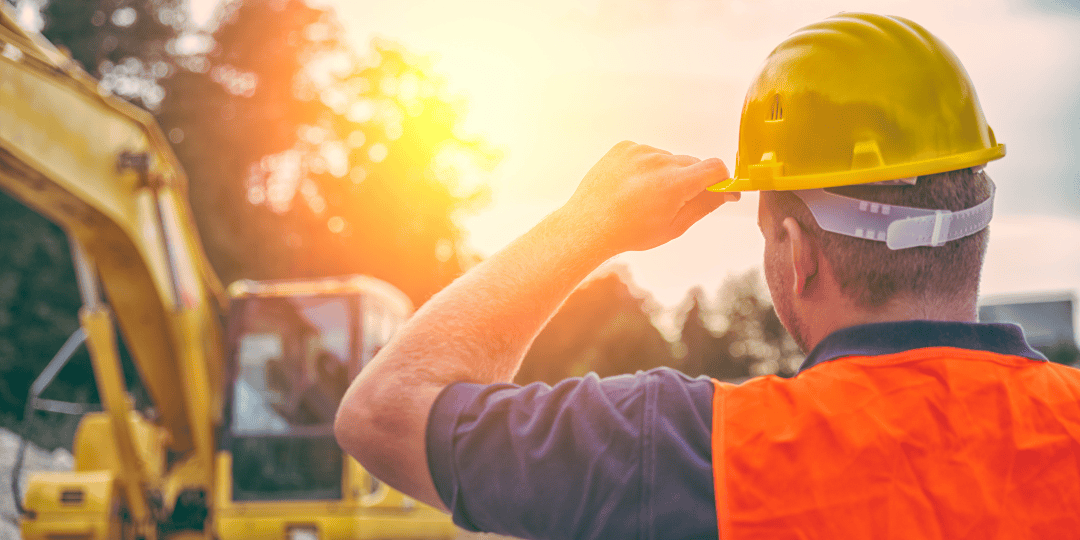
699,344
307,158
738,338
126,45
38,300
603,327
606,326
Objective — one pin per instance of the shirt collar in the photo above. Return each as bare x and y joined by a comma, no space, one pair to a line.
893,337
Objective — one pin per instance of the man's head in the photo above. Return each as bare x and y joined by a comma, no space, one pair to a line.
842,119
871,277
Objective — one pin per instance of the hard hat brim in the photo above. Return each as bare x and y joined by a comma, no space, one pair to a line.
770,177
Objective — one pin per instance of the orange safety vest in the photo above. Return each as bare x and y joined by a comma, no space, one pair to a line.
934,443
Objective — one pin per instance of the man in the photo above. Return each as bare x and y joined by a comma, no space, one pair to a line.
907,420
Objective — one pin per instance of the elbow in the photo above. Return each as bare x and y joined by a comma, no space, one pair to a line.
363,425
349,422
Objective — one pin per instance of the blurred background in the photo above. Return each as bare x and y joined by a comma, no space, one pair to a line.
409,139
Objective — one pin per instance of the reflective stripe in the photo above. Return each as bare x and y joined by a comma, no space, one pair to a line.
931,443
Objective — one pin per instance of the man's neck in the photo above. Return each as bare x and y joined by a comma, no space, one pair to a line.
820,321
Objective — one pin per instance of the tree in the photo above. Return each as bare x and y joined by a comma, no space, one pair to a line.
307,159
604,326
741,338
124,44
38,300
698,342
752,335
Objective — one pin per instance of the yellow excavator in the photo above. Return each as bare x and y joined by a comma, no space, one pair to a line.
239,442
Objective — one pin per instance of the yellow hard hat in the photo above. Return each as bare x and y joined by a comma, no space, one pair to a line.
855,99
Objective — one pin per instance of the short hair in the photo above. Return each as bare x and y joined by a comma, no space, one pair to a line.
869,272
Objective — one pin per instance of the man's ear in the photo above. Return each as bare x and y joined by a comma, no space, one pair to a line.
804,255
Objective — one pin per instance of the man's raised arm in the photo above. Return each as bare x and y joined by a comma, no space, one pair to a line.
479,328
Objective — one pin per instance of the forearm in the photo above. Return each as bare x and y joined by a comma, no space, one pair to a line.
480,327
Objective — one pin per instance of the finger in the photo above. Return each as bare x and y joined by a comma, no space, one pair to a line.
684,161
697,208
652,150
621,147
698,176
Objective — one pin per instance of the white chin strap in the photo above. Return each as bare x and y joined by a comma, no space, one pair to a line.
899,227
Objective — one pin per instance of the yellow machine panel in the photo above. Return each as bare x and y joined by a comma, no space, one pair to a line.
72,505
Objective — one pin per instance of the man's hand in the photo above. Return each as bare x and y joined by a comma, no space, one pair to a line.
638,197
479,328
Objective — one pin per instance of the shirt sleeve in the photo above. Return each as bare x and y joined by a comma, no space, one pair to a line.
620,457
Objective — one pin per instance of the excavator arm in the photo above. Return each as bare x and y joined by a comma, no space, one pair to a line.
101,170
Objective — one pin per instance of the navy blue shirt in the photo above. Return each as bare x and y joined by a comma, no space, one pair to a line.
620,457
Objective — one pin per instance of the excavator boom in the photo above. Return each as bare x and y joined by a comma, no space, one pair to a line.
101,170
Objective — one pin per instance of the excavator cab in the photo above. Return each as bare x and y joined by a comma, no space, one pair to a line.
293,347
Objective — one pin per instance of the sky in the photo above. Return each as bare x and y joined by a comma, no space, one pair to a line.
555,83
